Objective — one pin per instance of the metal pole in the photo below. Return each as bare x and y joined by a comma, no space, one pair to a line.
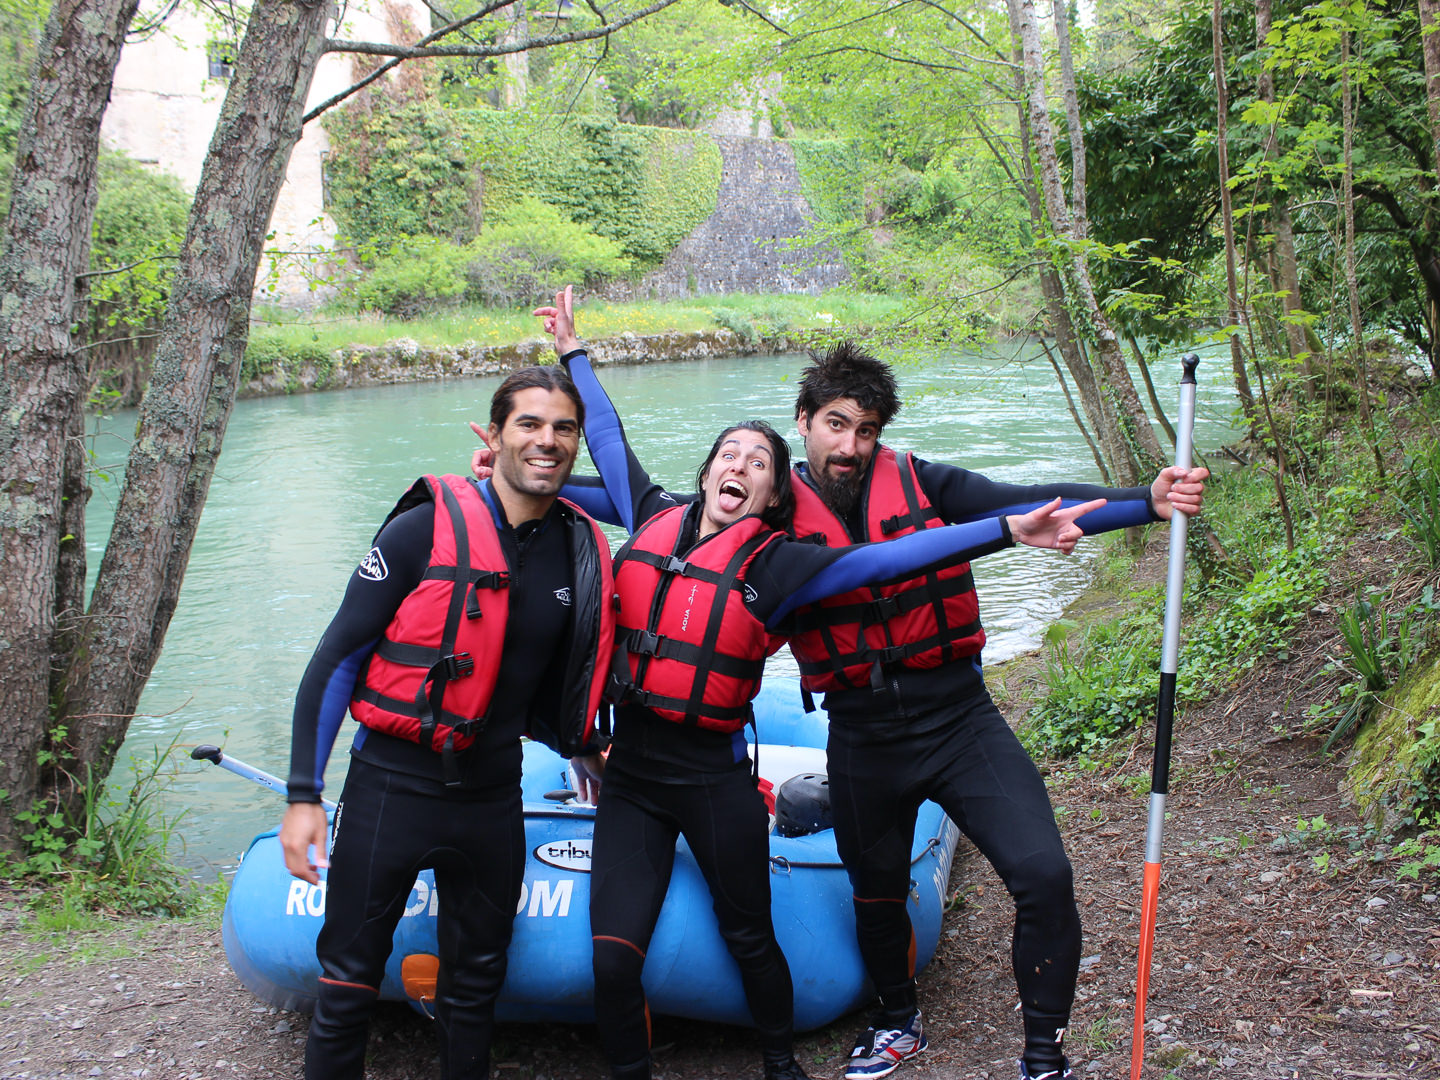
216,756
1164,717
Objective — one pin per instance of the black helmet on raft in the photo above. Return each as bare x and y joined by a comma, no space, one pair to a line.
802,805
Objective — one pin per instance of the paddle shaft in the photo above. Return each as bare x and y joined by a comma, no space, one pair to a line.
1164,717
216,756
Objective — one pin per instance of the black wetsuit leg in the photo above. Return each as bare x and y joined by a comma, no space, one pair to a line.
978,772
387,833
631,861
723,818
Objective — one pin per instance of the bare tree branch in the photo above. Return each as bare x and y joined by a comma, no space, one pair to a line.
423,49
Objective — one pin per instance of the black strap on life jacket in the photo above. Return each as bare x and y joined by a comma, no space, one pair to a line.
442,663
704,658
880,609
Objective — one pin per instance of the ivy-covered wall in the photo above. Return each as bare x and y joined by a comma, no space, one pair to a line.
418,169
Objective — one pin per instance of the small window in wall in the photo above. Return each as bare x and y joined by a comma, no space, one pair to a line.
221,57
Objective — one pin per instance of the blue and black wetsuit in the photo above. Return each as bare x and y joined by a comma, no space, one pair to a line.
664,779
398,816
936,734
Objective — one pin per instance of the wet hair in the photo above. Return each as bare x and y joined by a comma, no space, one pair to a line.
528,378
847,371
781,512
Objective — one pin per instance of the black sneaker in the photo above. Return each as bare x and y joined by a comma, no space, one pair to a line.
1062,1073
791,1070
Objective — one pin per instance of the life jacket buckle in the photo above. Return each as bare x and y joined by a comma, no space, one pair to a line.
889,655
454,666
881,610
643,642
671,565
891,524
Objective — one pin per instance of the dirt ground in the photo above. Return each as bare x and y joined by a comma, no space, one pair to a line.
1269,963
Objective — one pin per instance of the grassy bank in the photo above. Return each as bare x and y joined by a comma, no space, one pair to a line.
1345,594
751,316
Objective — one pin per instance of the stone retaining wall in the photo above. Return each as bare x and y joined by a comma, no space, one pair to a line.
404,360
746,244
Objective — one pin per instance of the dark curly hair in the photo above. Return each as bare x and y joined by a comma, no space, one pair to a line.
848,371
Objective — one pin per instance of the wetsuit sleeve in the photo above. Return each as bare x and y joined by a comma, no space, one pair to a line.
788,574
389,572
635,496
589,493
960,495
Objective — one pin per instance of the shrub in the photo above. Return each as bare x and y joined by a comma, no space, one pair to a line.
418,275
534,251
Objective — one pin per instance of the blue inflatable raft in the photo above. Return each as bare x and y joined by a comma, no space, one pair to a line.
271,919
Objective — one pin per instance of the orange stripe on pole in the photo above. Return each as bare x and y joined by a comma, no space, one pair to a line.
1149,908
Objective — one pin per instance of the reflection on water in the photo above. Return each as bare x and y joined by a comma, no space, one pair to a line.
304,482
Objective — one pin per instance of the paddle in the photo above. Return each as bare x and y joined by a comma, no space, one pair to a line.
1164,716
216,756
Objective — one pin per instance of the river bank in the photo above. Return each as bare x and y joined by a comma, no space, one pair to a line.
1283,950
406,360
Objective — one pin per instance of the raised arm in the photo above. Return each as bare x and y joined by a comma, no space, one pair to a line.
634,495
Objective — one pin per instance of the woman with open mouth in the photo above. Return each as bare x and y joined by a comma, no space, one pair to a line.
705,585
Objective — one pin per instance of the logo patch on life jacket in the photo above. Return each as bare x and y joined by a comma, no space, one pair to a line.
750,594
372,566
563,595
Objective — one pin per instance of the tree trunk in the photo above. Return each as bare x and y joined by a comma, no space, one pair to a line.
1052,289
185,411
1352,287
1279,216
42,379
1117,381
1430,36
1227,217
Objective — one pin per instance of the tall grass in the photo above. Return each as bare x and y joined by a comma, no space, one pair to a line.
329,330
112,854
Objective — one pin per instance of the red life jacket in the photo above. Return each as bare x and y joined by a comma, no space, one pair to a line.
431,677
847,641
686,646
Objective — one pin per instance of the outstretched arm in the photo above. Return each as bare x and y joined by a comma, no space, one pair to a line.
801,574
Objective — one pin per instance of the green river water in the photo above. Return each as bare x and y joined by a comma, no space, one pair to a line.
304,481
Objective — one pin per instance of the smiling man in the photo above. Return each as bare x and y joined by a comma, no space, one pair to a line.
425,654
910,717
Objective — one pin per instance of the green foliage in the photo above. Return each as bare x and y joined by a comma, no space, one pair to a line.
399,172
419,274
670,69
1105,686
422,170
112,856
533,252
1420,854
21,22
1383,647
1419,499
770,318
139,226
1108,683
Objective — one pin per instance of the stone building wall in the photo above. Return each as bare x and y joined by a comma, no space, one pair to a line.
744,245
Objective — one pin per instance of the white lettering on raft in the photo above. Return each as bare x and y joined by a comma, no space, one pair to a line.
541,898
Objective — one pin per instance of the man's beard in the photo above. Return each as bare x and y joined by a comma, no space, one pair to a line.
841,492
